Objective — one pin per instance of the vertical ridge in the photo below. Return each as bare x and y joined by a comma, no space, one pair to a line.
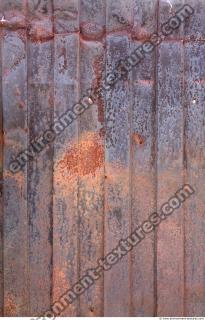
156,166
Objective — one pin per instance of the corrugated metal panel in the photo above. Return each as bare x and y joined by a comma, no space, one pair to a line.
109,170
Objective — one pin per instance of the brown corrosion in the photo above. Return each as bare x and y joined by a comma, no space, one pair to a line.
137,138
14,20
97,83
22,104
84,158
59,276
140,33
92,31
10,306
41,30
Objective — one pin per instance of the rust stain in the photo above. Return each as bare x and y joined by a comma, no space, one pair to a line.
61,280
14,20
38,29
140,33
21,104
50,100
41,30
84,158
17,62
61,284
10,306
97,83
18,177
92,31
145,82
199,80
137,138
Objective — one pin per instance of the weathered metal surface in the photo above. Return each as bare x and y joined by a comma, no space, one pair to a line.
111,168
15,195
143,162
170,175
65,185
194,164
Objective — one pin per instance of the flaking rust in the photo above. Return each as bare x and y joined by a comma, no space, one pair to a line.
10,306
98,65
137,139
84,158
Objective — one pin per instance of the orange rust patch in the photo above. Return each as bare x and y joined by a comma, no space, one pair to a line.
60,280
10,306
84,158
137,138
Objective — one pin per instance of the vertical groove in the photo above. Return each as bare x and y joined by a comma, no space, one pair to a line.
155,129
104,180
105,124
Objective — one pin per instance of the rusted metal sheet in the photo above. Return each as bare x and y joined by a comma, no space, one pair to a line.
117,163
143,161
91,176
15,201
91,186
194,164
170,272
40,172
65,181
